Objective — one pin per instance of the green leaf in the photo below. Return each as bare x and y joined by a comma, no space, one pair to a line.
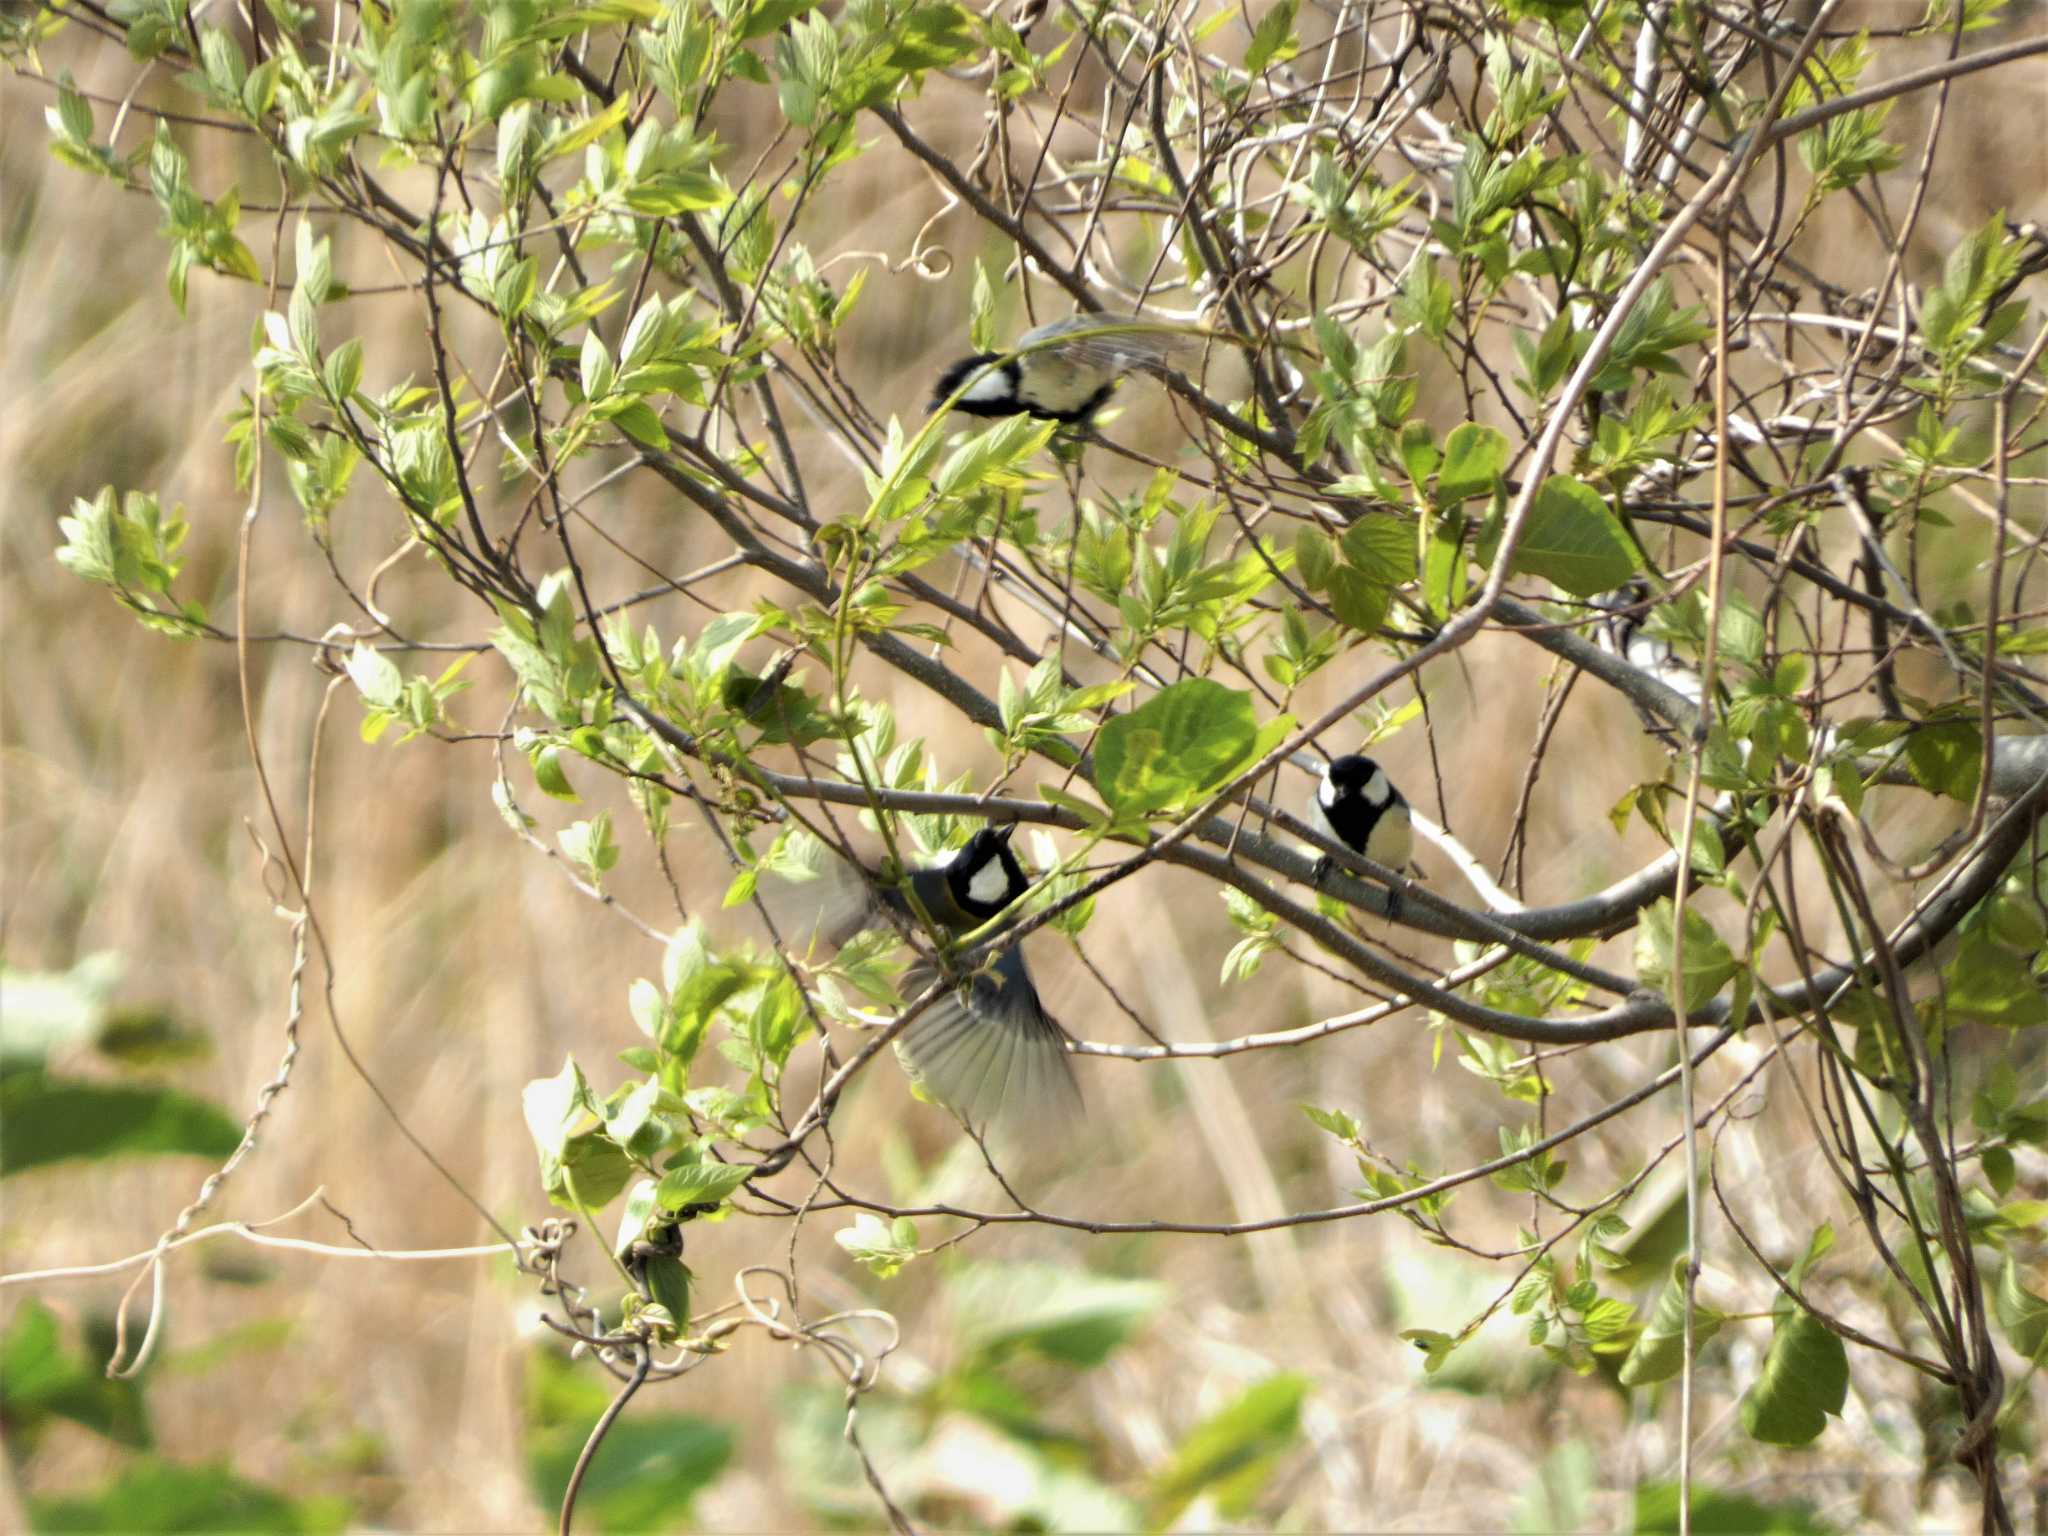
1335,1121
1572,540
1659,1350
1443,570
1314,557
700,1184
643,1477
553,1107
2022,1314
152,1496
40,1381
1234,1452
594,1168
1419,452
376,677
932,37
589,844
1382,547
549,775
1946,758
1055,1310
47,1120
1273,37
1474,458
1708,963
1358,601
1721,1514
1805,1378
1989,984
1179,744
638,421
883,1246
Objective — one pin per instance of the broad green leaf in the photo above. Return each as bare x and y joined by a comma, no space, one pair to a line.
594,1171
554,1106
1314,558
2022,1314
644,1476
1444,575
39,1380
1572,540
1358,601
1708,963
1273,37
1474,457
47,1120
1659,1350
151,1495
1805,1378
1946,758
1184,741
1232,1453
1990,984
700,1184
1721,1514
1382,547
931,37
1419,452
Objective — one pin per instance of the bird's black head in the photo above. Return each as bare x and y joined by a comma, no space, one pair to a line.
985,877
1357,777
993,394
1353,797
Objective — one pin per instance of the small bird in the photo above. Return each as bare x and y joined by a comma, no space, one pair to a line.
1622,632
987,1050
1356,804
1063,371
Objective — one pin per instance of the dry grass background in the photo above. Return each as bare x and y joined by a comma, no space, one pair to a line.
466,965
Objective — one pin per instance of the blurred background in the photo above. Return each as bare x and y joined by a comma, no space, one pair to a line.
422,1395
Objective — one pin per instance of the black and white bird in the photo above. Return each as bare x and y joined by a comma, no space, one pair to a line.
987,1050
1064,371
1623,631
1356,804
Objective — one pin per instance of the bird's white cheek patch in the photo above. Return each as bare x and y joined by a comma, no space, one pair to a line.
990,386
1377,790
990,884
1326,796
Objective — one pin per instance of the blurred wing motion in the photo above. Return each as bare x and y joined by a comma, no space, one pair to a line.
1110,343
1064,371
990,1053
987,1049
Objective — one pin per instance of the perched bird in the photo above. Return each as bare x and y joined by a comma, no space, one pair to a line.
1622,632
1356,804
1063,371
987,1050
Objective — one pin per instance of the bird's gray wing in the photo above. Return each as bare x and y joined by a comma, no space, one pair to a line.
1113,343
990,1053
817,913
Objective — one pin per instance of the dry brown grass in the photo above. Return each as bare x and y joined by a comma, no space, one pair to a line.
464,966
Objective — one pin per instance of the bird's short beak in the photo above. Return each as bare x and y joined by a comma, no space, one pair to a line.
1005,832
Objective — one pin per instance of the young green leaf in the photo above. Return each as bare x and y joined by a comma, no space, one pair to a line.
1805,1378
